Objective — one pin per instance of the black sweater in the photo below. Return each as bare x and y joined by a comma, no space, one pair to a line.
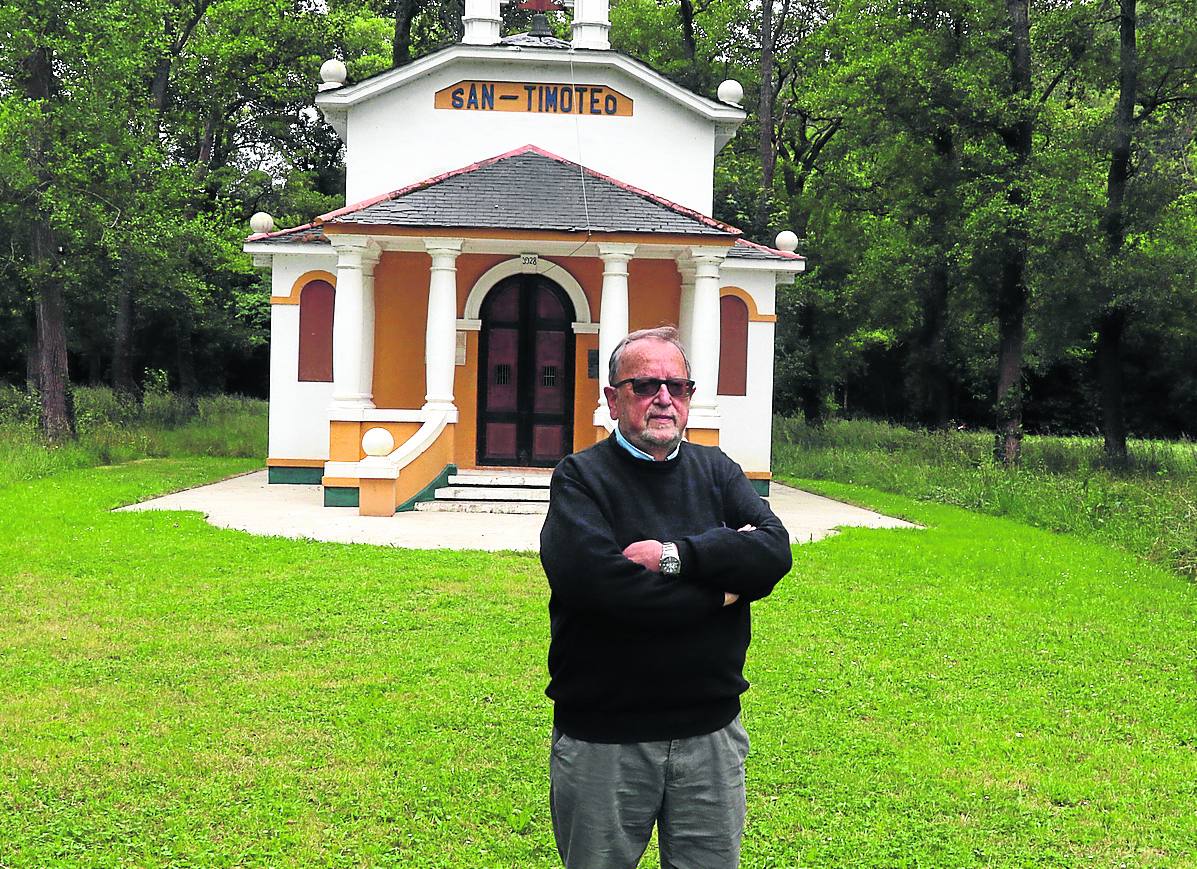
637,656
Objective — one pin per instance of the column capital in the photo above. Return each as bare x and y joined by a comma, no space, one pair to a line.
707,262
687,269
350,247
616,252
443,246
705,255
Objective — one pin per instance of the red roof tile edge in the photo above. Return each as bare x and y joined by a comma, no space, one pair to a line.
781,253
260,236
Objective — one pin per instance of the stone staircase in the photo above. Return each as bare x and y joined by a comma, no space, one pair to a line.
492,490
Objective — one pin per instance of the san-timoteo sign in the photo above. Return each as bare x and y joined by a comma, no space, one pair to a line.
535,97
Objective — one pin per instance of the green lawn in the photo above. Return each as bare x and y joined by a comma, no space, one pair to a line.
977,693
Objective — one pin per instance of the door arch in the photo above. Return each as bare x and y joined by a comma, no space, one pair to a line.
526,373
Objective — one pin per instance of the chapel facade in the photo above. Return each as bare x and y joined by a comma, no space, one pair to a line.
517,206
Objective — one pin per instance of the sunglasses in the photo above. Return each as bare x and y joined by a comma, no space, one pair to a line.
646,386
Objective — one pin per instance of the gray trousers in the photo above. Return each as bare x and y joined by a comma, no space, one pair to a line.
605,798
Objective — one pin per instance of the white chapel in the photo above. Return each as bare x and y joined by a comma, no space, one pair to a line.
516,206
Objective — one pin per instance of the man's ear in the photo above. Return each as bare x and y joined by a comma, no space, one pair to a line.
611,392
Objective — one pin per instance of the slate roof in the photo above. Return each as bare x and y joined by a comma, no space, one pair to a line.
530,189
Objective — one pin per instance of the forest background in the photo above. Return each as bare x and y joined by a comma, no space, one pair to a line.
997,198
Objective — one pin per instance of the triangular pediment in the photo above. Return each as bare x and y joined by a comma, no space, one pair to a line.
575,65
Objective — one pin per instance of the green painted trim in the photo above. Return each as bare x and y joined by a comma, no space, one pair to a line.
295,476
428,492
340,496
761,486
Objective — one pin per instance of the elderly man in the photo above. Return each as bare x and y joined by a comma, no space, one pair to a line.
653,549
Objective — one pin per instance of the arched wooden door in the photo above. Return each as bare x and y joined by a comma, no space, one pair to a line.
526,374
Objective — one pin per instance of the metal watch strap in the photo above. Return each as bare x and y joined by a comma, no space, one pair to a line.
671,563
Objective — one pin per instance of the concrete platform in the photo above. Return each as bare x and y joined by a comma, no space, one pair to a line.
249,503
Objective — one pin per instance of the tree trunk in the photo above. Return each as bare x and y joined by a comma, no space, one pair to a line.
811,391
1112,323
1012,287
95,367
57,410
54,383
931,367
1012,304
689,44
1109,373
185,358
405,13
122,342
765,118
159,87
33,380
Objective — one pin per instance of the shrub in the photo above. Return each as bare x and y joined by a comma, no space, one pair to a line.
1147,505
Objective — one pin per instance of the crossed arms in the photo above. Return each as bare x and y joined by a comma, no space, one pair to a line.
589,571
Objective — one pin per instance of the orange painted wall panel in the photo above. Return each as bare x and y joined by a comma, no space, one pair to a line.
345,437
585,392
654,293
424,468
587,271
470,267
400,319
465,394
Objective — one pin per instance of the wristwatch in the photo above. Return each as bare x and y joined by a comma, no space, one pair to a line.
671,564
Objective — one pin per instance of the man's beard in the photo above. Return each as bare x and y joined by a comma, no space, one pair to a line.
648,438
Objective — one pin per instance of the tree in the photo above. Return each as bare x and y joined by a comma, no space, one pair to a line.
1168,76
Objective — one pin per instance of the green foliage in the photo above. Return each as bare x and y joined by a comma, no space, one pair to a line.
114,428
1147,506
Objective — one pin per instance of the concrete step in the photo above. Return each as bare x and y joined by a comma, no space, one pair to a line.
491,493
538,481
526,507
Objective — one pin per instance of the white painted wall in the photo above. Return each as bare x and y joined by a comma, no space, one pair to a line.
747,420
398,138
298,426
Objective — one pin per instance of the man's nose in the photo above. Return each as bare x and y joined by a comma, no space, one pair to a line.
663,396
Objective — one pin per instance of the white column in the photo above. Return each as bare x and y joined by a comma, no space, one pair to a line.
613,312
440,337
704,345
685,315
482,22
591,25
353,322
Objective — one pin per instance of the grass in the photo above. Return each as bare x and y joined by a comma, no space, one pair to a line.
113,429
976,693
1147,506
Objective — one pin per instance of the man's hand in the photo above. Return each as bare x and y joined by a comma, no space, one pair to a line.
646,553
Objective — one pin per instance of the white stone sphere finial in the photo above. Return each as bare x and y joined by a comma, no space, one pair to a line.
786,241
332,74
261,222
731,91
378,442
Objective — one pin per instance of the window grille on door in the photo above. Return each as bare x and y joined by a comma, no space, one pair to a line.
502,374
